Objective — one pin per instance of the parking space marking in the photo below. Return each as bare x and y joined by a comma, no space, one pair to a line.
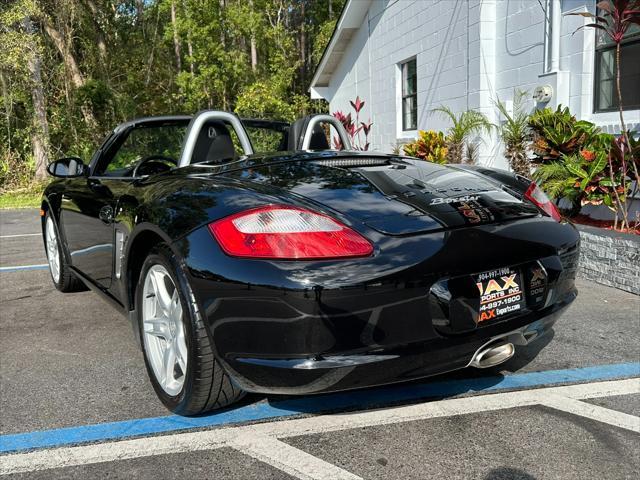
42,266
290,460
22,235
444,408
358,399
235,437
594,412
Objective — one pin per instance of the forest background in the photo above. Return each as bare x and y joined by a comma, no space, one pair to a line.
70,70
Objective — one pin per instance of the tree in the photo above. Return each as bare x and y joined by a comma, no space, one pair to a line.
20,41
40,134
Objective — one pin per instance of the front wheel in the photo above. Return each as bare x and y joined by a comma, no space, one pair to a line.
177,349
61,274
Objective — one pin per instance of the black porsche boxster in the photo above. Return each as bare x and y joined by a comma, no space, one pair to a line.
250,257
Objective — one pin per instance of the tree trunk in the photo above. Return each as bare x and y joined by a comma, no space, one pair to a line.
176,39
625,217
139,11
67,57
100,38
192,67
303,45
40,135
72,67
223,41
6,95
254,50
330,9
254,53
153,50
455,152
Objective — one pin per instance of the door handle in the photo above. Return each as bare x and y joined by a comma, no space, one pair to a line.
106,214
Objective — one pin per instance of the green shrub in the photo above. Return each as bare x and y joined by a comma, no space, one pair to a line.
557,133
593,175
430,146
15,172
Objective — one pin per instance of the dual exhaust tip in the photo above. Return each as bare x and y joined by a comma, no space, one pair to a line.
493,354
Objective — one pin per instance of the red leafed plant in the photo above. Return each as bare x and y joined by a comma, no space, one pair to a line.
354,128
617,17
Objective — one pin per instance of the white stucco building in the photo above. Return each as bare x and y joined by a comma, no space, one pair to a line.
465,54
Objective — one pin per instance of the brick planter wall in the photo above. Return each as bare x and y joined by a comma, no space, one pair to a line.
610,258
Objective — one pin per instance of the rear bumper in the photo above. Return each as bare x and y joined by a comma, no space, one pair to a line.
382,366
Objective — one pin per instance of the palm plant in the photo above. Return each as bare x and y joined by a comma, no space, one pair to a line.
559,183
472,153
515,133
464,125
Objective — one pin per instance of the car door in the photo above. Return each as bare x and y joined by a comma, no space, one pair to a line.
89,205
87,212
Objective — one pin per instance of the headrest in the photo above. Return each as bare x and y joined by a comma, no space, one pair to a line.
214,144
318,138
298,129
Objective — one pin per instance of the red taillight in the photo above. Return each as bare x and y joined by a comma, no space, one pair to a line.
287,233
540,199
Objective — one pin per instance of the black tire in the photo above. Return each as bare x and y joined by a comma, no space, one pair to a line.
206,385
67,281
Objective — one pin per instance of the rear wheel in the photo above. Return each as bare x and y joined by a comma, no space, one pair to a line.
177,349
61,274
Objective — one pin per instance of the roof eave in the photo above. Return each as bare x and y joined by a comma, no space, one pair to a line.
350,20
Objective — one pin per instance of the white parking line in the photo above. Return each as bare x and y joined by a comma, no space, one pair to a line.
289,459
594,412
235,437
22,235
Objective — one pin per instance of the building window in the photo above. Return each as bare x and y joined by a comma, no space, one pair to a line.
606,93
409,95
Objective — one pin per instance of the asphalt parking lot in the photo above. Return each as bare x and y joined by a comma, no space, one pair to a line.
76,402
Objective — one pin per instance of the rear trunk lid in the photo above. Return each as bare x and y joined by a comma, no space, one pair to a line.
395,196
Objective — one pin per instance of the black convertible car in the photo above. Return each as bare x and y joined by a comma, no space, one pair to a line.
302,269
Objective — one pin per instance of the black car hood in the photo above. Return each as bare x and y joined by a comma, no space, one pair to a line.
391,195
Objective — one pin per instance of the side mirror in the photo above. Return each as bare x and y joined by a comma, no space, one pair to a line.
70,167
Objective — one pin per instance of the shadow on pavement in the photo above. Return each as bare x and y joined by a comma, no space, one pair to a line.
508,473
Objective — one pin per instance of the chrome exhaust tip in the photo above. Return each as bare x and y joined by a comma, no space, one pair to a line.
492,355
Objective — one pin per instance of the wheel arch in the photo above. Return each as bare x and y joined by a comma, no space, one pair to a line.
45,208
140,244
49,205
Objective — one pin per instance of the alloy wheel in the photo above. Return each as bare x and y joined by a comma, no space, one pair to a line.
164,335
53,252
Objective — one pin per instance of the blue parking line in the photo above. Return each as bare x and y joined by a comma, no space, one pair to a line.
44,266
359,399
